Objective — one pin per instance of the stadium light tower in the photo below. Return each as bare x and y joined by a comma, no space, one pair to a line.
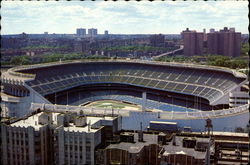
171,101
79,98
144,101
208,126
55,97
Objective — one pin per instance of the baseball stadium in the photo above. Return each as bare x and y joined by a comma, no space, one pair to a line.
140,91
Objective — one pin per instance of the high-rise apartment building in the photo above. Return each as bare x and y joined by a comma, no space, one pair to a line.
193,42
80,32
92,32
55,138
225,42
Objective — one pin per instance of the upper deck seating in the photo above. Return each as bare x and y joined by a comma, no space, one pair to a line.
198,82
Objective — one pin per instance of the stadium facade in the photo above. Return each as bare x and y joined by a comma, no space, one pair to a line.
185,93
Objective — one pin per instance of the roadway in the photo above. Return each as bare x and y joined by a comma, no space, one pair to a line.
169,53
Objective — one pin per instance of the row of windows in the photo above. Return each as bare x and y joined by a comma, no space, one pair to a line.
75,138
238,102
17,134
242,98
17,142
71,147
71,156
18,149
18,156
19,162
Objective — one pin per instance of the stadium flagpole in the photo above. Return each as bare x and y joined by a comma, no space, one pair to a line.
55,98
186,103
79,97
67,98
172,102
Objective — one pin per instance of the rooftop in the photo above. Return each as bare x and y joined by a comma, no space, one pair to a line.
230,134
33,121
220,133
163,122
170,149
137,146
179,149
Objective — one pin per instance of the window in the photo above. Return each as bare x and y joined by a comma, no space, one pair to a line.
87,148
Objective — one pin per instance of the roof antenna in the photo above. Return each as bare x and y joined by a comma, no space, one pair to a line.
89,124
112,111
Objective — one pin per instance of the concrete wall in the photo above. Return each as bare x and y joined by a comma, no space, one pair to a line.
20,106
219,124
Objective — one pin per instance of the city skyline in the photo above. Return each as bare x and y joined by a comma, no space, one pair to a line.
122,17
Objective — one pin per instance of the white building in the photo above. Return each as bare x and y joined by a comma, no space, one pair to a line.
239,96
55,138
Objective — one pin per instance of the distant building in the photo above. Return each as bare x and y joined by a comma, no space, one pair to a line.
157,40
226,42
80,32
24,36
106,32
46,33
212,30
232,29
92,32
205,35
81,46
193,42
55,138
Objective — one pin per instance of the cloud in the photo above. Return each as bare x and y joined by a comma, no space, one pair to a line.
121,17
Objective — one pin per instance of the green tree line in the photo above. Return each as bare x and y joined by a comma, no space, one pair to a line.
45,58
215,60
44,47
136,48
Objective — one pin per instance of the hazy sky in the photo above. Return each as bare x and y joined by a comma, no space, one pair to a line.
122,17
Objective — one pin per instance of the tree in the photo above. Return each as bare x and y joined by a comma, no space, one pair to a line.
20,60
244,49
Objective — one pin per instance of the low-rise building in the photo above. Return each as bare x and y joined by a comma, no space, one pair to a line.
186,150
133,148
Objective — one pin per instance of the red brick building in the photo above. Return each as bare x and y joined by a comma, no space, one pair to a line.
226,42
193,42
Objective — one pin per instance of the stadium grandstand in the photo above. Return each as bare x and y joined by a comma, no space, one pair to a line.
169,87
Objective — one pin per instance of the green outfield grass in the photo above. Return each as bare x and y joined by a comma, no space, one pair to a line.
112,103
